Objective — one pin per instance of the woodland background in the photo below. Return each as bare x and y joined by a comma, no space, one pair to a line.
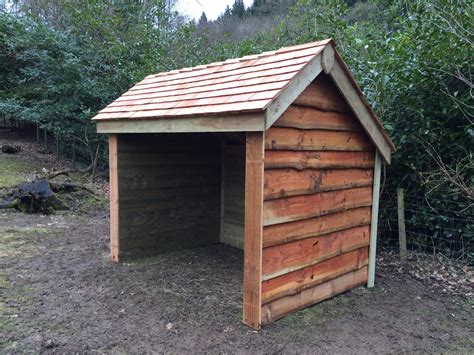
62,61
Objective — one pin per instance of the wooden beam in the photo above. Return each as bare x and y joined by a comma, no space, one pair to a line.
279,138
222,208
299,280
328,58
285,305
253,229
368,121
298,84
249,122
284,258
301,160
313,227
114,197
373,224
295,208
303,117
281,183
402,236
322,94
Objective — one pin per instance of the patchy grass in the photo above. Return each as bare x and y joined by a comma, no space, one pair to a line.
15,169
15,296
15,242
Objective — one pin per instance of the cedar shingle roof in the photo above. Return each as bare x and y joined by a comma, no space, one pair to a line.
245,84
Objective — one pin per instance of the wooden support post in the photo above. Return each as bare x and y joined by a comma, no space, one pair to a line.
94,163
253,229
402,238
374,220
74,153
57,147
114,198
222,210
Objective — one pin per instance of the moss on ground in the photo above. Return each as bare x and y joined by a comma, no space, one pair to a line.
14,242
18,242
14,169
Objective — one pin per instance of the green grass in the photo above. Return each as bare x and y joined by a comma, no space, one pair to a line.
14,241
14,170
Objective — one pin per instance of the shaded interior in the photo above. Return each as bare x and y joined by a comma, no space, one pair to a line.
179,191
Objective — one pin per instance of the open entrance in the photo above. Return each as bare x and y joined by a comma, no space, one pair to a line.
180,191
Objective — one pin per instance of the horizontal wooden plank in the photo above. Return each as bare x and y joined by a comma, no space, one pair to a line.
296,281
311,118
301,160
284,258
306,206
279,138
279,183
324,95
157,241
133,197
202,123
285,305
312,227
361,108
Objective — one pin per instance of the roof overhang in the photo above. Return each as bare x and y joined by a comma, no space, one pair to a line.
244,122
262,118
332,64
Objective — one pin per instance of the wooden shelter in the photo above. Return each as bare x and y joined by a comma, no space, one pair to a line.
277,153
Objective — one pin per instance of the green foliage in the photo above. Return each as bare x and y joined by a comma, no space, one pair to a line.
63,61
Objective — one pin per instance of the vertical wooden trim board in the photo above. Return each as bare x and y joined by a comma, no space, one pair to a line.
374,221
222,208
253,229
114,198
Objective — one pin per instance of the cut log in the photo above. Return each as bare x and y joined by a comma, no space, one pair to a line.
284,258
281,183
278,138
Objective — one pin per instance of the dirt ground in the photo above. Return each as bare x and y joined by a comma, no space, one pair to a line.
59,293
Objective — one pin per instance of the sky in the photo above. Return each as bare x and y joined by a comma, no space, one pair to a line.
212,8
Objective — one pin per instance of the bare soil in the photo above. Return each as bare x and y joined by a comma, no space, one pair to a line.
59,293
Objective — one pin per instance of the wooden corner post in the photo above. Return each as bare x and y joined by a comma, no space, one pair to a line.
114,197
253,229
374,220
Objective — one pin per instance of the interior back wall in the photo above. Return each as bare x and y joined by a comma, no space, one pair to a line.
169,192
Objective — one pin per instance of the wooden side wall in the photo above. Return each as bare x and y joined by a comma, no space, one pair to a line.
169,188
317,195
232,194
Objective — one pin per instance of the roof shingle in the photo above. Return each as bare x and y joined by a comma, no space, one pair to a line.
243,84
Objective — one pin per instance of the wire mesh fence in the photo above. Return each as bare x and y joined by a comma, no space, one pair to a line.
82,151
429,226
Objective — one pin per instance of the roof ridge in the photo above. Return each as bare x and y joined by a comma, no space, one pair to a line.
244,58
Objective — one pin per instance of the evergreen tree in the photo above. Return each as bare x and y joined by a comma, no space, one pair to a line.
238,9
202,20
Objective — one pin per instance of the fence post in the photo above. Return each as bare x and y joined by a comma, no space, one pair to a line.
57,147
94,163
74,153
402,238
